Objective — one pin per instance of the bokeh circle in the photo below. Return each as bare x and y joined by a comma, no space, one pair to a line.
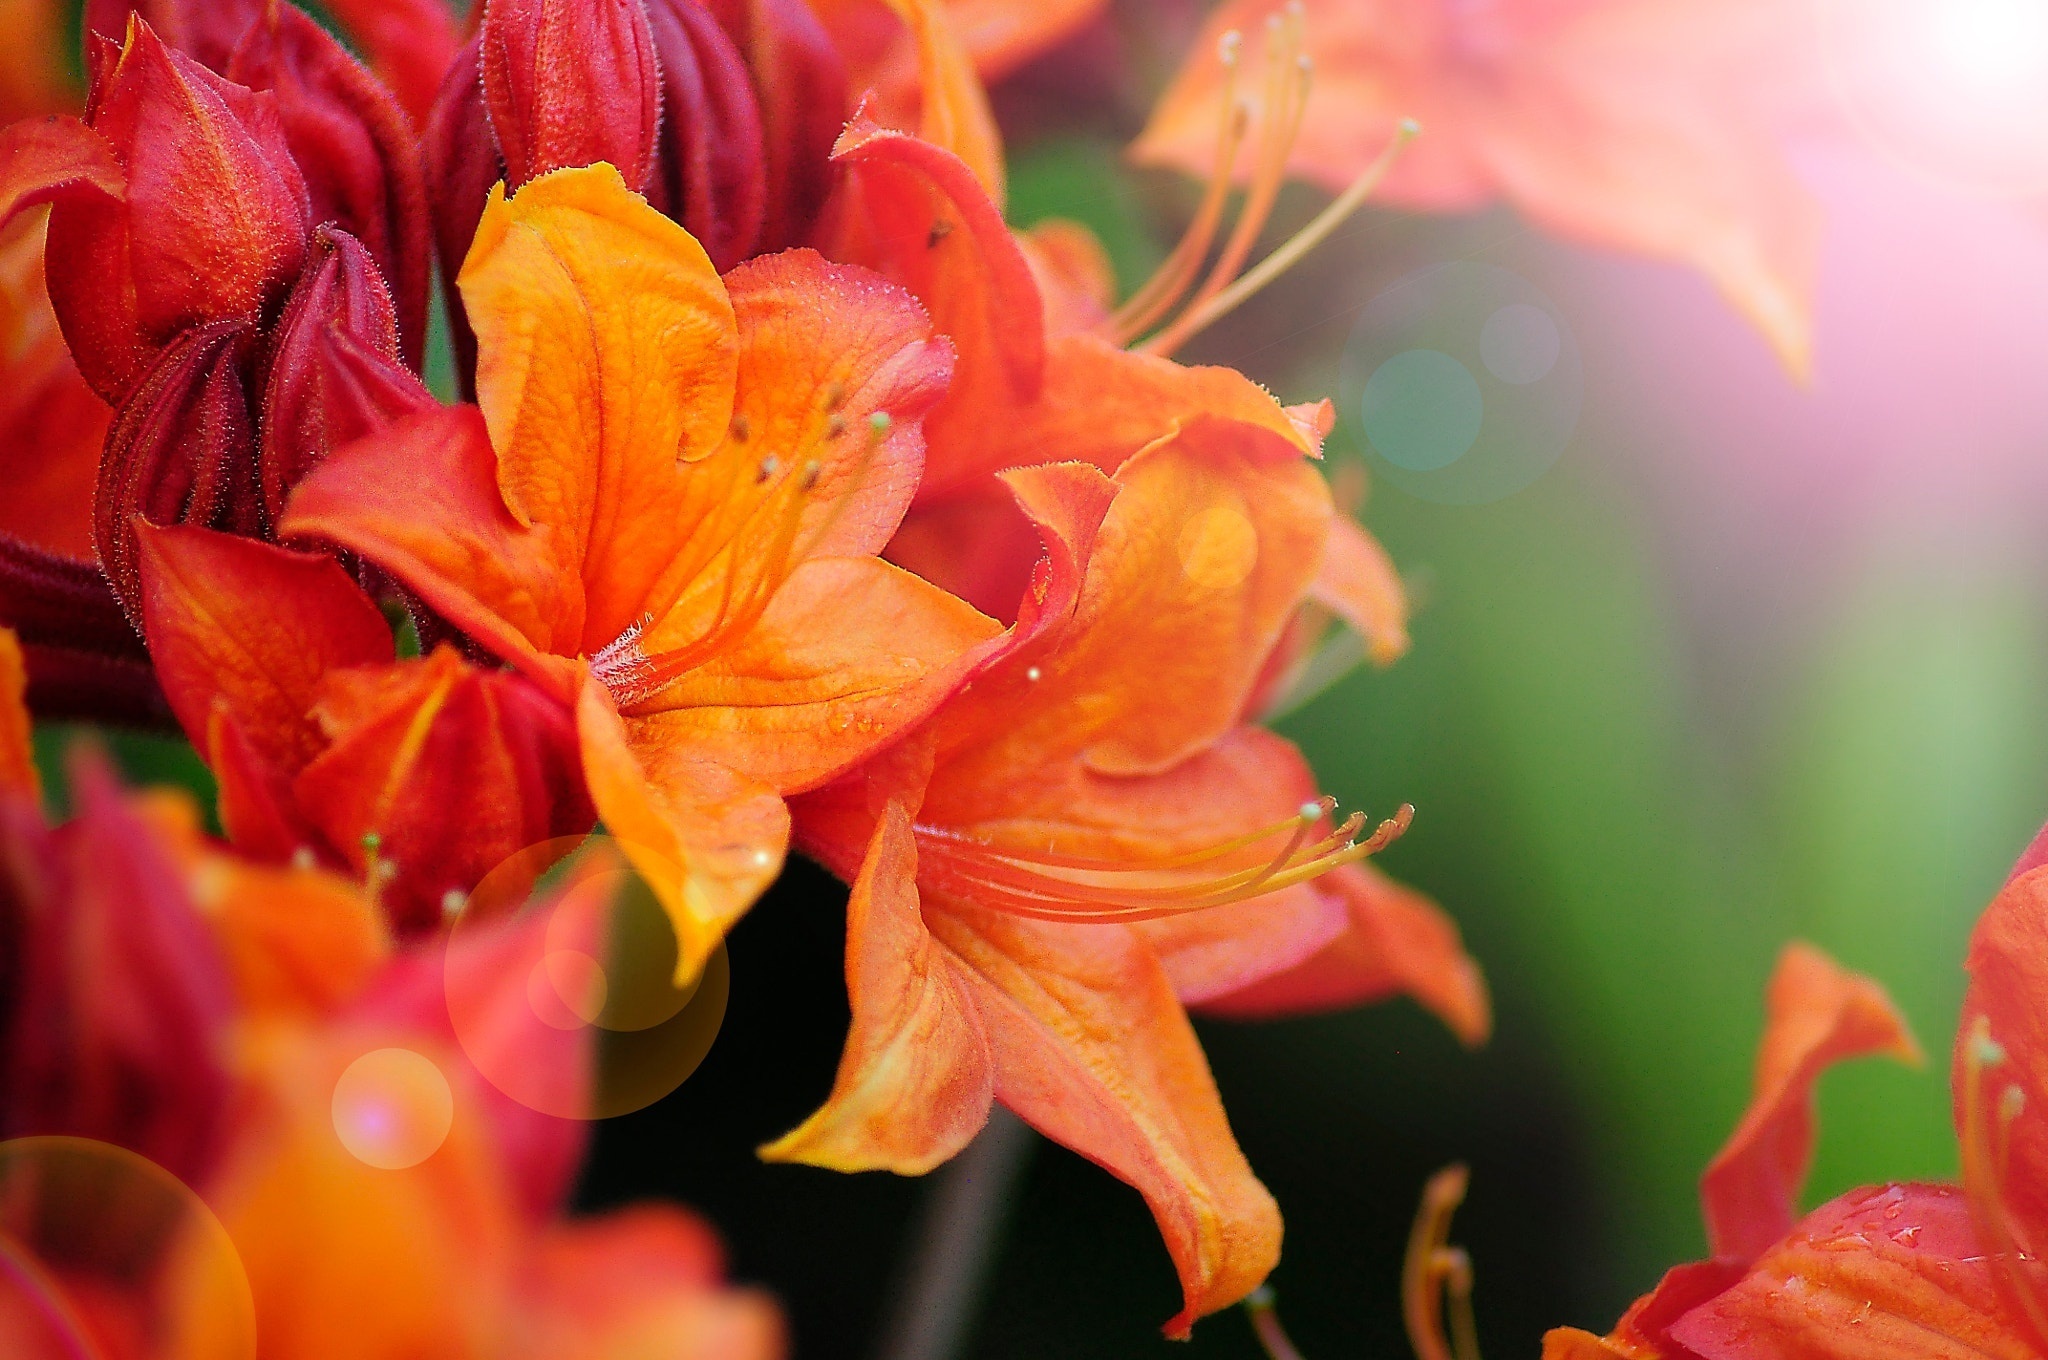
1463,382
564,945
100,1246
393,1108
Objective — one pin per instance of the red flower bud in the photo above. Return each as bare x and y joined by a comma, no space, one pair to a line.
355,147
462,165
182,451
209,224
335,373
571,82
712,175
118,998
205,30
799,81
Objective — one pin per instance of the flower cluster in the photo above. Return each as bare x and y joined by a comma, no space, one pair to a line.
797,501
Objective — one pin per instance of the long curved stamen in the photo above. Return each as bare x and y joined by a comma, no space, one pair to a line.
1049,885
1436,1278
1986,1153
1289,74
762,551
1157,295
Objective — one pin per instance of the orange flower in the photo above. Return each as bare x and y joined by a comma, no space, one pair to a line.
1087,836
1042,377
250,1028
417,776
672,487
1629,124
1902,1269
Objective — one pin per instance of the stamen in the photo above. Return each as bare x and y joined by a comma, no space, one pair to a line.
1266,1325
761,552
1051,885
1283,107
1156,297
1199,318
1436,1278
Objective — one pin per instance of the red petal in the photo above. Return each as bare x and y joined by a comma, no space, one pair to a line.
1819,1014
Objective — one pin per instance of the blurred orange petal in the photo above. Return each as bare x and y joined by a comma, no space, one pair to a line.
1818,1014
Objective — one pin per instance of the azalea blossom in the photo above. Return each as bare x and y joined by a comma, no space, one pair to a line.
183,1003
1905,1268
670,483
1629,124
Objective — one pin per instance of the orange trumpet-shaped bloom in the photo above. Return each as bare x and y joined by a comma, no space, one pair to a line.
1034,382
1629,124
1940,1271
1086,837
417,776
669,495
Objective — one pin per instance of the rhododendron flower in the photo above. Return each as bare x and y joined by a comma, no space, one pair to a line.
1045,873
1634,125
671,485
173,999
1902,1269
417,776
183,233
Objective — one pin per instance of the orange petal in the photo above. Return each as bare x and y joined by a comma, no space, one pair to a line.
452,768
827,354
1819,1014
1199,564
1881,1272
640,1281
1074,274
1398,942
606,355
2000,1074
955,115
460,549
1101,405
707,840
914,212
915,1083
1004,34
18,774
46,409
1092,1049
1569,1343
1359,585
254,626
814,688
319,1232
1627,127
298,942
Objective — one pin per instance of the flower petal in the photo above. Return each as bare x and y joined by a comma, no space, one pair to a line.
1359,585
1819,1014
460,549
916,1081
607,353
1092,1049
814,688
1397,942
1199,564
913,212
18,776
707,840
1883,1272
255,626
